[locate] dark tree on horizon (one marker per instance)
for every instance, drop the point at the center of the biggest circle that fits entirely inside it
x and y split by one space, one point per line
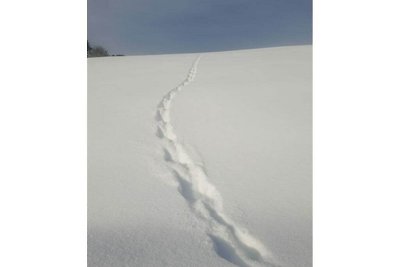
96 51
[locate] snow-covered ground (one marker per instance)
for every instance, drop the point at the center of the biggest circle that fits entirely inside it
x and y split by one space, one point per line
200 160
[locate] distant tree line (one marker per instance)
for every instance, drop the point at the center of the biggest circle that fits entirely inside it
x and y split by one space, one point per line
97 51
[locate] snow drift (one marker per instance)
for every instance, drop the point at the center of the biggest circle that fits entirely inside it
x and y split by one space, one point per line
217 174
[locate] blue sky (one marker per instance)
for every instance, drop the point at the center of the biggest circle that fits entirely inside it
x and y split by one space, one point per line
177 26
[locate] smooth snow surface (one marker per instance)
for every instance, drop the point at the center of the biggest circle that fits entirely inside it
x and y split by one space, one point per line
200 162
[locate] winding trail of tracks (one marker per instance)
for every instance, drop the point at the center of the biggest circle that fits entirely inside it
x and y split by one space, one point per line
231 242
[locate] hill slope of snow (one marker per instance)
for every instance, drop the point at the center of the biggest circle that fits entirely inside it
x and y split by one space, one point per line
200 161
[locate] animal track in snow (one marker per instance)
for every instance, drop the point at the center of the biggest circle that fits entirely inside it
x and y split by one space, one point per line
230 241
